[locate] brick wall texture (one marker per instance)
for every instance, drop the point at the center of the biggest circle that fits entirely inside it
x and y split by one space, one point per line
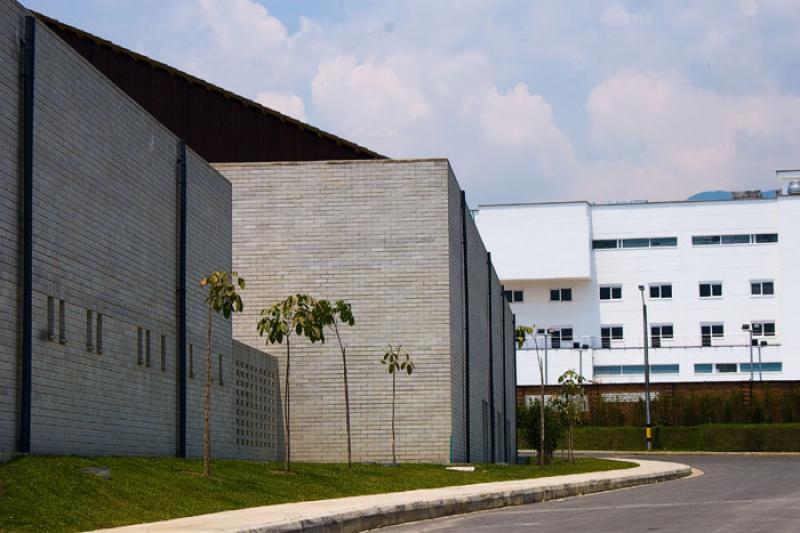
105 236
385 236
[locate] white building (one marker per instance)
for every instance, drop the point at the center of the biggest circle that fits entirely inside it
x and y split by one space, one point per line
707 269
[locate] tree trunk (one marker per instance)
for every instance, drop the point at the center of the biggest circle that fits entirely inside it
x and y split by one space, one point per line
541 415
346 397
394 454
286 408
207 407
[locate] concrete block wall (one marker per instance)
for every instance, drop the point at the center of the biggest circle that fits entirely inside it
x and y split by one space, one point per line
374 234
257 410
208 249
10 267
457 323
105 239
484 289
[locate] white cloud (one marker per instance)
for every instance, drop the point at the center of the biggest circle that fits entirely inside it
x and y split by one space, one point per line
520 121
616 16
288 104
748 7
690 135
369 101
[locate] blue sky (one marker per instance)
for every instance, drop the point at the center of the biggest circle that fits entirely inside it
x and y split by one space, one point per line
530 100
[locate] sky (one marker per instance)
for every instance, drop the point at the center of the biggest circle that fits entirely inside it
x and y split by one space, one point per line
529 100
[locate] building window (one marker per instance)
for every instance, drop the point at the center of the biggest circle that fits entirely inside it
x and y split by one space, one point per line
744 238
657 242
607 370
99 334
703 368
560 295
765 237
709 331
89 331
219 370
763 329
726 368
661 291
51 318
559 335
604 244
514 296
163 352
657 333
139 346
638 242
611 292
762 288
710 290
191 361
62 322
610 333
761 367
147 348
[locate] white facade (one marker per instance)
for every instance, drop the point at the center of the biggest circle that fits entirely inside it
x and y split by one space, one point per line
540 249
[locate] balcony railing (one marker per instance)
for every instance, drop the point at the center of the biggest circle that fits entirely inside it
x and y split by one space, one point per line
635 343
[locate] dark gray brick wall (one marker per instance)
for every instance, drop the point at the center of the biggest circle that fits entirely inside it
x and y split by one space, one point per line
456 319
10 153
105 242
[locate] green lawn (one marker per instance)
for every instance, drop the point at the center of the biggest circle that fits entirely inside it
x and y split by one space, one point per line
53 494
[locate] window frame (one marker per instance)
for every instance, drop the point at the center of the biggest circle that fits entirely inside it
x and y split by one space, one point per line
711 334
555 343
660 286
711 286
612 338
760 283
561 291
762 334
612 288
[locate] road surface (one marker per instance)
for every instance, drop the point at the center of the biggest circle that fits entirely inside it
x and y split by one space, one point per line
735 494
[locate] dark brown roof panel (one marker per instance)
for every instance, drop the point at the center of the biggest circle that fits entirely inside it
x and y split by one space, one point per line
219 125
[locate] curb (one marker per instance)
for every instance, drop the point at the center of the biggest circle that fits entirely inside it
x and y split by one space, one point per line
361 513
667 453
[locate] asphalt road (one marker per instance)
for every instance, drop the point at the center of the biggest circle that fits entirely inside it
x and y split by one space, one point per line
736 493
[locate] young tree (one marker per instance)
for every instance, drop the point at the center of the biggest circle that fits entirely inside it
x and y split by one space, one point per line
396 360
570 401
521 334
222 297
292 316
331 316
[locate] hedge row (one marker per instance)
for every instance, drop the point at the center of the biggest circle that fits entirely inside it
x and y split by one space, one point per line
709 437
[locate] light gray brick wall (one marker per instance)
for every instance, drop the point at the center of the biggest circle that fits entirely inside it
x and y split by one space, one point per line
10 268
376 235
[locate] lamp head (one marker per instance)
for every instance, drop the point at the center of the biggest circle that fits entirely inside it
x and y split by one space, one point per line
641 288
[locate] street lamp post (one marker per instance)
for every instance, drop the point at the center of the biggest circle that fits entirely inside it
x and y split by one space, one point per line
580 347
547 333
648 431
746 327
760 344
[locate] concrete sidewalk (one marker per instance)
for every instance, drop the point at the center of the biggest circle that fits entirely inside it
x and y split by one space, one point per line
359 513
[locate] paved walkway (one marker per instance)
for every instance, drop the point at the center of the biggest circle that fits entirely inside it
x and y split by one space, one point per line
360 513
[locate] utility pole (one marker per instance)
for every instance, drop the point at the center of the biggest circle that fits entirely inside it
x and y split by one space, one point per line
648 431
